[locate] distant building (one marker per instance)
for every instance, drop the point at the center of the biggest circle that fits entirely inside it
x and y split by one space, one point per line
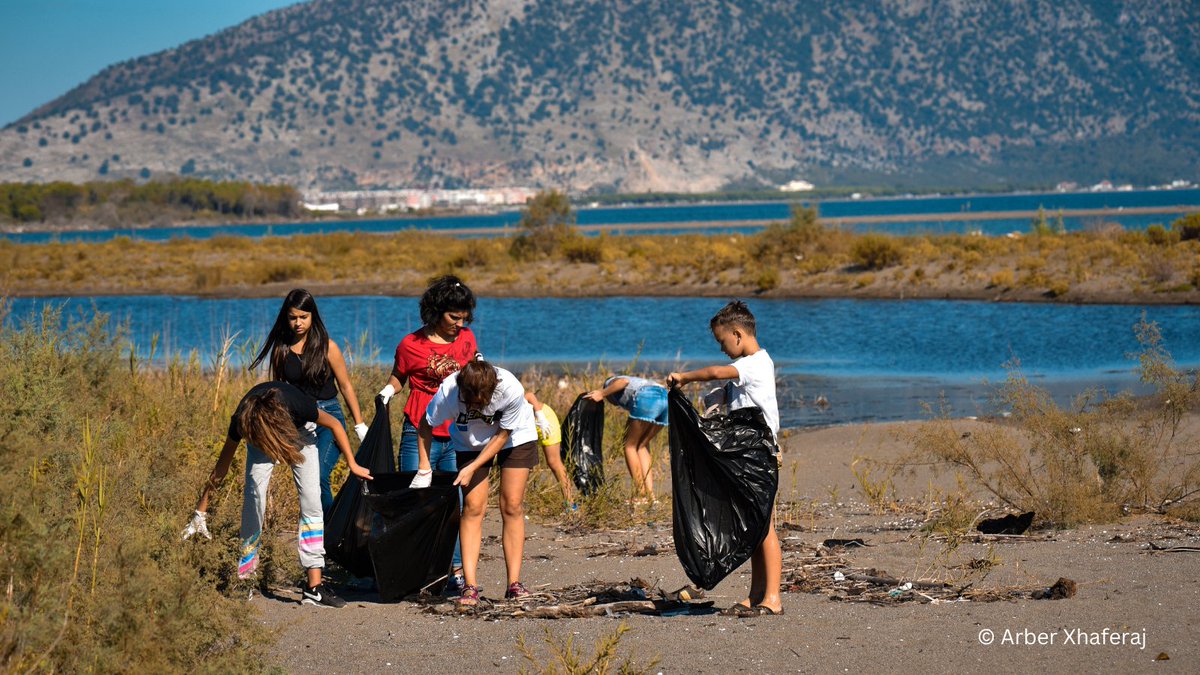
330 207
796 186
388 201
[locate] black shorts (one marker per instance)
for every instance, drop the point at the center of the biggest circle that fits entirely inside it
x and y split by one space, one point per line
523 456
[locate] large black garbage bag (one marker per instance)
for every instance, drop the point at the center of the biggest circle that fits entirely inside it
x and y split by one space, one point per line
412 531
349 520
724 476
583 438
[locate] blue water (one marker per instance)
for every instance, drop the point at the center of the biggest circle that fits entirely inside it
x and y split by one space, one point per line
872 359
727 213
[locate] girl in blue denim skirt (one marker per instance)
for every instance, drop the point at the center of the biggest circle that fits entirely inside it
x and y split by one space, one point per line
299 352
646 403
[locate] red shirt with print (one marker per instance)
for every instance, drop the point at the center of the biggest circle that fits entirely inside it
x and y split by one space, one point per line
424 364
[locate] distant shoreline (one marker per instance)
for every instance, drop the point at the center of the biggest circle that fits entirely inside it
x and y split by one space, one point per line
957 216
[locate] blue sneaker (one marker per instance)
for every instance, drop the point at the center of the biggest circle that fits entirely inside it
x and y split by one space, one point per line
454 585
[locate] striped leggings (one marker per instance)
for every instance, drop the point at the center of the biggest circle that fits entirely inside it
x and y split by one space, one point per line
254 504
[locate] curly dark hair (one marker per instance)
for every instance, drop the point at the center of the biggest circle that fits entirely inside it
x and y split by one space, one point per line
446 294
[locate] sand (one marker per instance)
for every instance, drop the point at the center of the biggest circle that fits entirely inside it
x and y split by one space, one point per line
1149 599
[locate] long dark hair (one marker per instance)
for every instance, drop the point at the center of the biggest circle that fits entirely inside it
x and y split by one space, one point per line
265 423
314 361
446 294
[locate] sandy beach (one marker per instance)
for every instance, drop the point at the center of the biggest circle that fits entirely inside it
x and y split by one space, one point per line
1149 599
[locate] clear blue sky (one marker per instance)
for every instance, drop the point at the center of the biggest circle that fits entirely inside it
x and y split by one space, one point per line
49 46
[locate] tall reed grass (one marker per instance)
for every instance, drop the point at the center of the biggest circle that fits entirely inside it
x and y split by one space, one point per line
100 463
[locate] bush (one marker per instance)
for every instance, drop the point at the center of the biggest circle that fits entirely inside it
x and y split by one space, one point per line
1091 462
1043 226
577 248
1159 236
1187 227
100 465
875 251
802 233
545 223
767 279
1058 288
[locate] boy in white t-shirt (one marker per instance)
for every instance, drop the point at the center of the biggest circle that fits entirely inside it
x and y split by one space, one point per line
753 384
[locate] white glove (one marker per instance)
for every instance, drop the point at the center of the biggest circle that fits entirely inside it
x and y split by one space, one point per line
199 523
387 393
543 424
422 479
361 430
714 398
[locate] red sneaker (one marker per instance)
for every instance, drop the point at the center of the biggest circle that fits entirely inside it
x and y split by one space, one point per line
469 596
516 590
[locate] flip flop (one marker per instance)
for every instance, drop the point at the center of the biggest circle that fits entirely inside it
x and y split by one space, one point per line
763 610
740 611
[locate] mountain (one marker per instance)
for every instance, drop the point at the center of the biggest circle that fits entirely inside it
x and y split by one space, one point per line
633 95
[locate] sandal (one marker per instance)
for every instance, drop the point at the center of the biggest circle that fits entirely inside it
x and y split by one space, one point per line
744 611
469 596
739 610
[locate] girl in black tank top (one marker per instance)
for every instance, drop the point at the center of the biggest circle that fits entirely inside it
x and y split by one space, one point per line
300 353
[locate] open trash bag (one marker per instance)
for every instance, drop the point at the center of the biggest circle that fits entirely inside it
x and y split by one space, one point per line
583 438
349 520
724 476
413 532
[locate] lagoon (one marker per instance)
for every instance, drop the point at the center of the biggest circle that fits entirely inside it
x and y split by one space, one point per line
742 217
873 360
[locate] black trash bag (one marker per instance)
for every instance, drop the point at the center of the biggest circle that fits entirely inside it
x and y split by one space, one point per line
412 531
724 476
1009 524
350 520
583 438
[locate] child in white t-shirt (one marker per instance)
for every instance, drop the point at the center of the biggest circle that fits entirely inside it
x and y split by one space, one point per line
752 376
490 423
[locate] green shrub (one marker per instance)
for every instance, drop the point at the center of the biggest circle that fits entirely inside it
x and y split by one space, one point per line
1043 226
100 466
546 222
799 236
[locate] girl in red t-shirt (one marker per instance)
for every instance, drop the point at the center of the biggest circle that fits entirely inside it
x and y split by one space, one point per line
424 358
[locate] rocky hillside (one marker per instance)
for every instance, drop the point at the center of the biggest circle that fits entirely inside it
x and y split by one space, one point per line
632 95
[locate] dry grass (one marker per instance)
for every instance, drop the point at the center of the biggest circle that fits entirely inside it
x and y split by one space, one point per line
787 258
610 507
101 459
1100 457
567 659
100 465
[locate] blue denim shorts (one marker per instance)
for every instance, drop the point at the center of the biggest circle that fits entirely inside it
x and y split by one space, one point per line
650 405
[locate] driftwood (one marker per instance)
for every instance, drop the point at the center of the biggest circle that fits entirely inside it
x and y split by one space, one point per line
828 571
581 610
889 581
595 599
1155 548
